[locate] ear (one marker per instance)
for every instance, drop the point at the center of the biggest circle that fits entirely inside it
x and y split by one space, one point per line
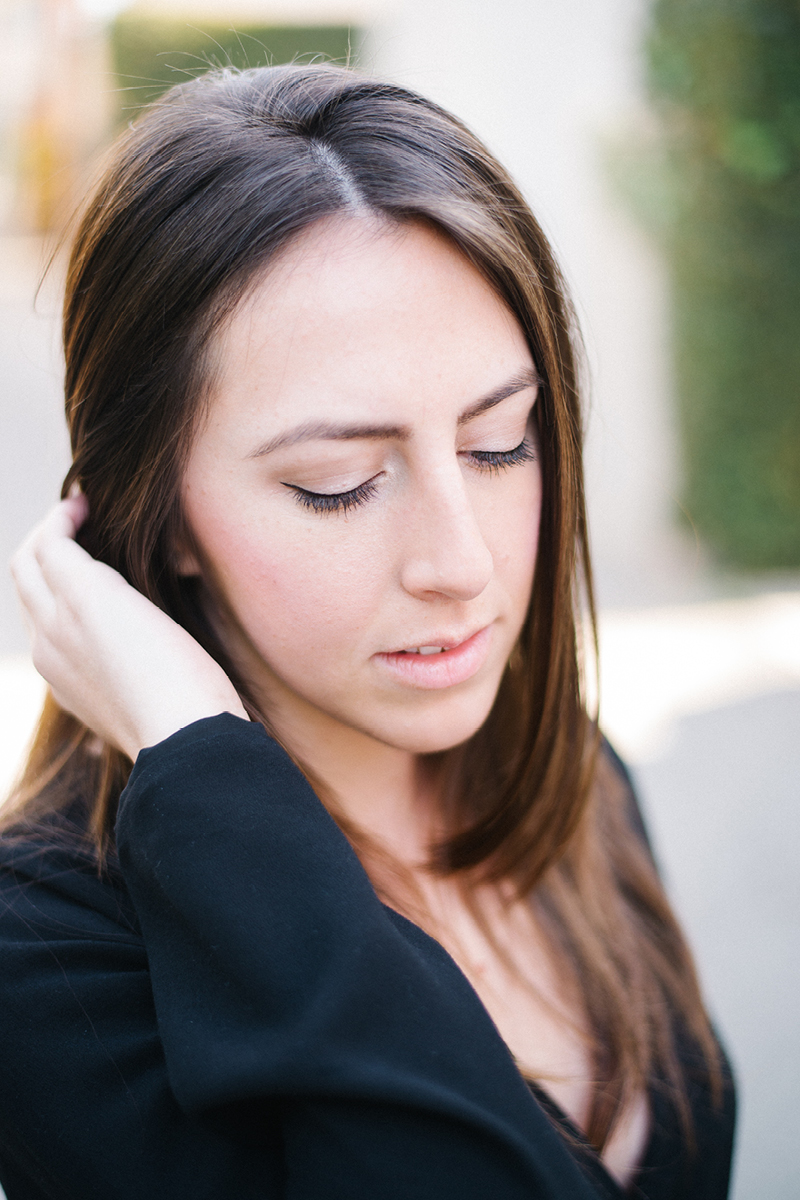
187 561
188 565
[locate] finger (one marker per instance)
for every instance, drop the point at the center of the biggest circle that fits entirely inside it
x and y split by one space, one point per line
77 506
38 608
65 566
32 588
64 519
64 563
50 569
79 581
62 522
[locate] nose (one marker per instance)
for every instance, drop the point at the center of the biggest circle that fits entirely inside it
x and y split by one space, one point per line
445 551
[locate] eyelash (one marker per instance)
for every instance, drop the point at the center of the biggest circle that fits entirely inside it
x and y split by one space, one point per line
493 461
337 502
496 461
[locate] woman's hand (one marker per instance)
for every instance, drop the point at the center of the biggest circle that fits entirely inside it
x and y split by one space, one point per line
111 657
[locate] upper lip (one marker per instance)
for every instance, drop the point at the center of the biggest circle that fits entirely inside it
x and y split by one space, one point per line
447 642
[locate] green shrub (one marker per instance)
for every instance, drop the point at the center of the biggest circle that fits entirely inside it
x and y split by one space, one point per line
150 54
725 75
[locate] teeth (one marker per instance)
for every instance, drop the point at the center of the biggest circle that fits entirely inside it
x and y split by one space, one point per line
430 649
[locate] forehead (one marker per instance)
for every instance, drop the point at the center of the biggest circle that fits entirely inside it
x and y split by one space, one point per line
364 317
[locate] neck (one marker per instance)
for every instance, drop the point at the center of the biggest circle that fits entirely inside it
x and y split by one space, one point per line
385 792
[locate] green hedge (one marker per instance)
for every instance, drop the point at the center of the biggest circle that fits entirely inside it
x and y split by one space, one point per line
151 54
726 78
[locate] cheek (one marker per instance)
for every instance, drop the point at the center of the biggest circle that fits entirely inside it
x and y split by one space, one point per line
293 593
514 538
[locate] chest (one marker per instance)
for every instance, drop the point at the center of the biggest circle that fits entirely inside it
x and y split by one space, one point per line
501 949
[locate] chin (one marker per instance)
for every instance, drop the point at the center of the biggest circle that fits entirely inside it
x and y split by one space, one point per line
434 732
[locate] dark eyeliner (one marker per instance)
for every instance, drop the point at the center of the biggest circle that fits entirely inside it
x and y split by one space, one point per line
498 460
343 502
333 502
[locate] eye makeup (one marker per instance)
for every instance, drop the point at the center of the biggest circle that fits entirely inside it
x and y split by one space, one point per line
497 460
491 461
333 502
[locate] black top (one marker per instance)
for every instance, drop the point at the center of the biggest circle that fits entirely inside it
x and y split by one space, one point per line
230 1013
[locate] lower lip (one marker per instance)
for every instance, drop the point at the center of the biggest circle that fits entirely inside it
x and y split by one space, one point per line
442 670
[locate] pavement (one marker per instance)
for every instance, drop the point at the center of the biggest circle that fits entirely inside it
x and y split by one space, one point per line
700 691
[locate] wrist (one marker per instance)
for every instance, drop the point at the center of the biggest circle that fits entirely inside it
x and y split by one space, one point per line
164 724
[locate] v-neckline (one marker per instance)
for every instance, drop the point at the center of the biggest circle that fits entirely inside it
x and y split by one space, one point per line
584 1152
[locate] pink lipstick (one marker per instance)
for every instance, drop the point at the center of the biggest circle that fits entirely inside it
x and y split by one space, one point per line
434 665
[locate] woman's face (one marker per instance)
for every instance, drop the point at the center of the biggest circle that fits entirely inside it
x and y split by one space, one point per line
364 496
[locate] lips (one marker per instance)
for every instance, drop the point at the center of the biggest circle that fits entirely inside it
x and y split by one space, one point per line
436 645
438 663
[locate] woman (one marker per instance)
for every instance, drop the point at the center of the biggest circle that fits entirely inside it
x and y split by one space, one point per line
327 487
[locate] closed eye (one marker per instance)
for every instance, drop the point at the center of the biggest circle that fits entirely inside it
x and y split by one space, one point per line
334 502
492 461
497 460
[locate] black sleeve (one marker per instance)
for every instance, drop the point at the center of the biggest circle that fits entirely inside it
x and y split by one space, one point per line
275 1031
86 1109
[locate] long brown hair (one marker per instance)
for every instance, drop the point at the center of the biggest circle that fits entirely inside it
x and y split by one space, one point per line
201 194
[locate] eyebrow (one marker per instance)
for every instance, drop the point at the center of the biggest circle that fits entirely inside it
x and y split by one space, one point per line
327 431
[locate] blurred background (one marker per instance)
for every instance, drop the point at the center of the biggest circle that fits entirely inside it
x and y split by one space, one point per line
658 141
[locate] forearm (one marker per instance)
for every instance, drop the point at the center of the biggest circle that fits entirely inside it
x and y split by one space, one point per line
278 975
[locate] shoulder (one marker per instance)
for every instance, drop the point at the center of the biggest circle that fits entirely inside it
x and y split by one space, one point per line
53 886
